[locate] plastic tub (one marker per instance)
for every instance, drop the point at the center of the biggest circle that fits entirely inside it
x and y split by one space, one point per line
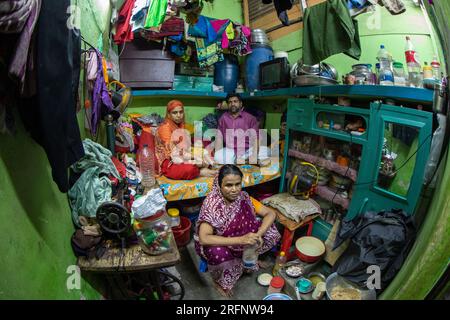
182 233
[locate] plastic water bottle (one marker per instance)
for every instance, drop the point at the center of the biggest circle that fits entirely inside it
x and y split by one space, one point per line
414 67
386 75
250 256
147 167
279 263
436 68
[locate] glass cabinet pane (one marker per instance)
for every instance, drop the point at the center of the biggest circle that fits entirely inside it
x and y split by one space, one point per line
398 158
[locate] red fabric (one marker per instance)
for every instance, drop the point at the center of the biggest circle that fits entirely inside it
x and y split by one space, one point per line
179 171
120 167
171 27
123 28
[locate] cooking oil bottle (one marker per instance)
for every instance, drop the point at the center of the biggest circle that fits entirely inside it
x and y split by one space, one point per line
279 263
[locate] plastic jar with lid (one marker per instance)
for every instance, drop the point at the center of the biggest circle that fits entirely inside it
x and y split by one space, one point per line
276 285
427 71
399 74
174 216
154 233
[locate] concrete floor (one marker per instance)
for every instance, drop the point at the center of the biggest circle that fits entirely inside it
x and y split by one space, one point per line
199 286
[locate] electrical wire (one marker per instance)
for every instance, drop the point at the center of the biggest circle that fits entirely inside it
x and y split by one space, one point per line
345 174
403 164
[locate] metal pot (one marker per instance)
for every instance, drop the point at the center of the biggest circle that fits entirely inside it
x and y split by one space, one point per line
259 36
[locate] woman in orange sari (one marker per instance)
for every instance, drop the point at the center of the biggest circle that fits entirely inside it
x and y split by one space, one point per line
173 147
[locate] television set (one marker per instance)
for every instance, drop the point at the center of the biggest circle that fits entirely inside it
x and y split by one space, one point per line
274 74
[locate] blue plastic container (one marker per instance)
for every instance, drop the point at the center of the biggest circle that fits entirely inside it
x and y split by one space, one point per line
226 73
261 53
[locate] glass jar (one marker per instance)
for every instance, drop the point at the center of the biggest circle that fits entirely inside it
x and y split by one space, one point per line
154 233
174 216
276 285
362 74
399 74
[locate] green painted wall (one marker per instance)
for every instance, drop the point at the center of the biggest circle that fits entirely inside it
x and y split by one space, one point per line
36 221
36 225
377 28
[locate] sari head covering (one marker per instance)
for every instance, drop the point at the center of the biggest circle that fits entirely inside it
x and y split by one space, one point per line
164 144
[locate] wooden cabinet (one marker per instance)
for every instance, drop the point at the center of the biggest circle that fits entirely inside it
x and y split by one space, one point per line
382 154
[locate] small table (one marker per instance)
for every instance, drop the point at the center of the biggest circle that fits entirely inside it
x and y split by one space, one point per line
289 230
118 265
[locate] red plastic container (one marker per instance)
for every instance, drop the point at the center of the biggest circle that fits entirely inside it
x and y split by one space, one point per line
182 233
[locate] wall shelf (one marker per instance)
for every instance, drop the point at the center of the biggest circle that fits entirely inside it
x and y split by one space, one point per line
180 94
370 92
416 95
330 165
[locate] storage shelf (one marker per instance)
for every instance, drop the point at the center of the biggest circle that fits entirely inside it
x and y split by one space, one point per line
417 95
328 194
371 92
178 94
328 164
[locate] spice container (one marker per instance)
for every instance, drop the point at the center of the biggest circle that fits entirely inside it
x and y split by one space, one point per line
399 74
276 285
174 216
427 71
154 233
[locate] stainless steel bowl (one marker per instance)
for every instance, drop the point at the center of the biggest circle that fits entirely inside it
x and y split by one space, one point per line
329 68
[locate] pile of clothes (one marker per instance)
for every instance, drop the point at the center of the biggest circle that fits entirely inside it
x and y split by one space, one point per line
157 20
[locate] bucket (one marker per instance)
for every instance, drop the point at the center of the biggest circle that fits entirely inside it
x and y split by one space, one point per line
226 73
182 233
261 53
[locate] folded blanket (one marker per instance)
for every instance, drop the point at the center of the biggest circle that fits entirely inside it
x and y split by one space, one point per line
292 207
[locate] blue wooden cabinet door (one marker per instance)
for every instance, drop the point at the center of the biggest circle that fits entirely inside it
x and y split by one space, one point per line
393 164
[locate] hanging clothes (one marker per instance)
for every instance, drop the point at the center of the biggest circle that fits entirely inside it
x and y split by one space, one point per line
241 44
225 29
319 42
156 13
100 96
281 6
393 6
123 28
50 116
20 17
139 14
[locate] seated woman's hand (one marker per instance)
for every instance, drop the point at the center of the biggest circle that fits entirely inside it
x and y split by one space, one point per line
250 239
